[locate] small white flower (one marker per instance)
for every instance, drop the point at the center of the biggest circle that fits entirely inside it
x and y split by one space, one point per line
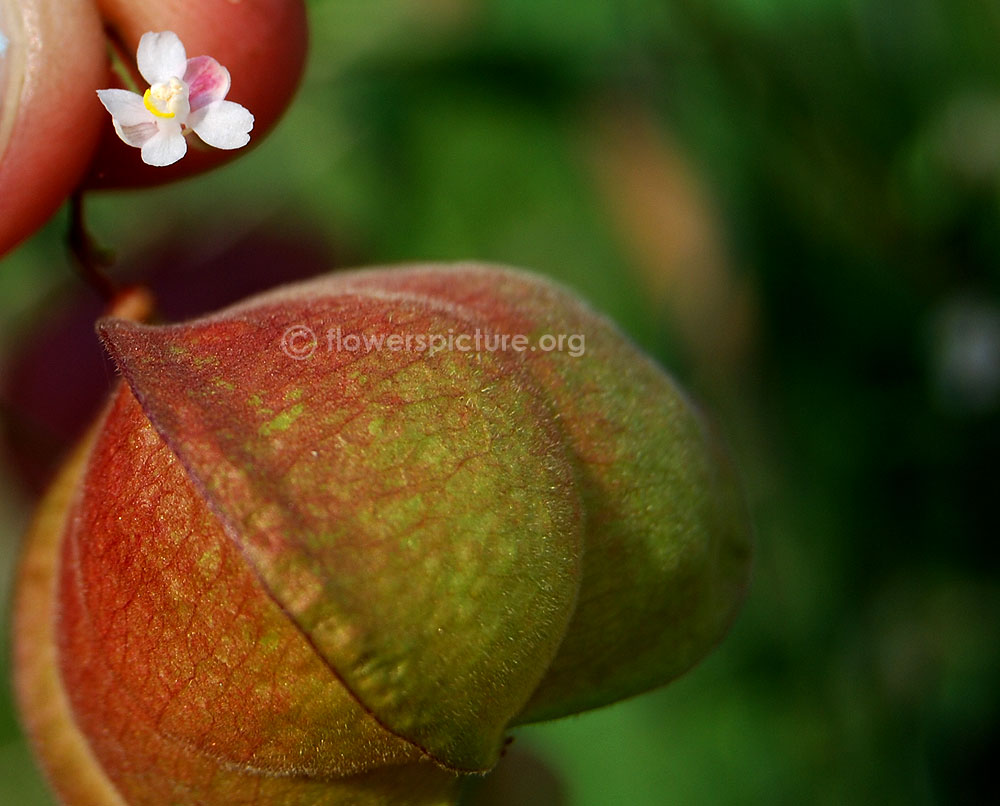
185 95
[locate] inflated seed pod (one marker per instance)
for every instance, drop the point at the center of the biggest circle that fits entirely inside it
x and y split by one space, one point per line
327 545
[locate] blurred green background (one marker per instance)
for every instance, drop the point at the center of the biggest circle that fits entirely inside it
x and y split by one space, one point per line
793 204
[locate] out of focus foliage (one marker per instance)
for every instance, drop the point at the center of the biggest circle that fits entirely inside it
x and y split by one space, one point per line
793 204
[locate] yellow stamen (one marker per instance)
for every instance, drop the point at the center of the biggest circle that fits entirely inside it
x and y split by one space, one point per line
148 103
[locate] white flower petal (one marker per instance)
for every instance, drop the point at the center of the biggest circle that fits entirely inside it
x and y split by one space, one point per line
207 81
125 107
133 122
161 56
138 135
222 124
164 148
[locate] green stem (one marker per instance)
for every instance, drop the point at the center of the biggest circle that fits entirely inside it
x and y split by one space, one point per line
90 259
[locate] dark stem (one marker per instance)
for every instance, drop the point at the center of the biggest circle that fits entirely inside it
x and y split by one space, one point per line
90 259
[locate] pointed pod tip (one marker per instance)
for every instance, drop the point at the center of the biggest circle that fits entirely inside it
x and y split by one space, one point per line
123 338
114 331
